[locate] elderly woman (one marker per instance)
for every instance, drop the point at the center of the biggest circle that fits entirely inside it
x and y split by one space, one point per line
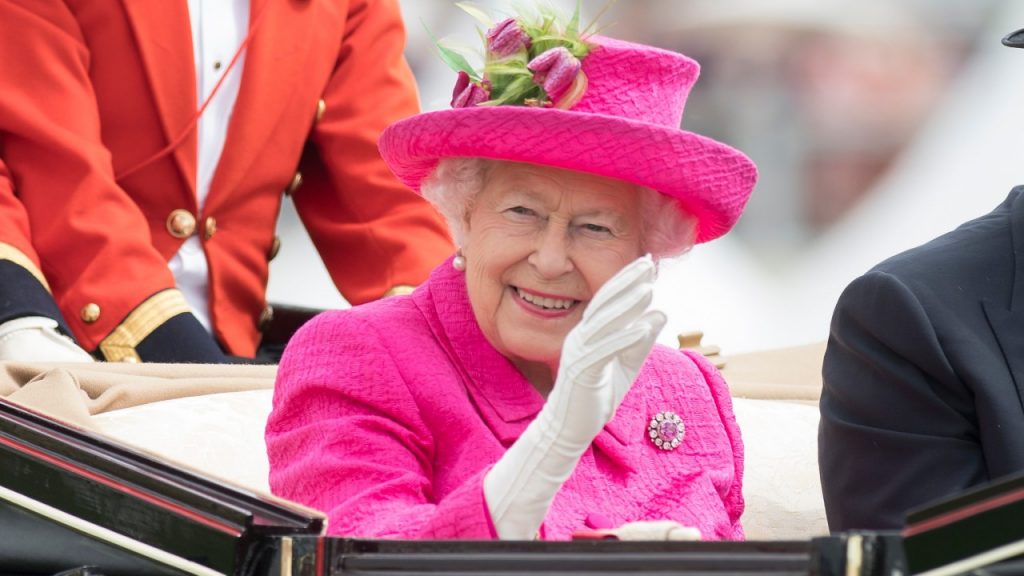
519 392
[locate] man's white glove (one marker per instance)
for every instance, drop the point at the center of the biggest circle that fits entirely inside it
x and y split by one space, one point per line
36 339
601 358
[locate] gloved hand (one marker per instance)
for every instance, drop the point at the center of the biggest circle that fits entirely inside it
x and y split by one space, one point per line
656 530
646 530
601 358
36 339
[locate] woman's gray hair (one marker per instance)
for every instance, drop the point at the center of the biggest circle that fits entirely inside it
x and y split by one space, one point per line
669 230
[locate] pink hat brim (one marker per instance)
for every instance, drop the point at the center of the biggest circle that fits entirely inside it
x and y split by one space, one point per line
711 180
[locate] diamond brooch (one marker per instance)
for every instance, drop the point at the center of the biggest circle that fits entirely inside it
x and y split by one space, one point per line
666 430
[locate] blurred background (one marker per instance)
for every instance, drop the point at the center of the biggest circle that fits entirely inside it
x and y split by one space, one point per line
875 124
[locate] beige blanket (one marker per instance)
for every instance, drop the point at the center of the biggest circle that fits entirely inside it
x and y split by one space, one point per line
781 374
75 392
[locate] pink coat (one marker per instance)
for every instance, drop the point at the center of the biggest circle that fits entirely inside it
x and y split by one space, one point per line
387 416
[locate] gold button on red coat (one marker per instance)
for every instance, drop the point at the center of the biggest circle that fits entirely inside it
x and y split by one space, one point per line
294 184
90 313
321 107
181 223
210 227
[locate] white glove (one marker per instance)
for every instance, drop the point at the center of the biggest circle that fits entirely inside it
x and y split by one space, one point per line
656 530
601 358
36 339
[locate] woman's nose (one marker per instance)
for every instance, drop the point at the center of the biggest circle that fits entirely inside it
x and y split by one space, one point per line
551 255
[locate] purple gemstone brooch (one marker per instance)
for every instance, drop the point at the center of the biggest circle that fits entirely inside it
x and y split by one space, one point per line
666 430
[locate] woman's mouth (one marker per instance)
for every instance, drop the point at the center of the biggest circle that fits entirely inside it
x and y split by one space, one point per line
545 302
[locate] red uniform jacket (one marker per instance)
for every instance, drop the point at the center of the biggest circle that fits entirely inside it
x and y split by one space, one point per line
92 88
15 242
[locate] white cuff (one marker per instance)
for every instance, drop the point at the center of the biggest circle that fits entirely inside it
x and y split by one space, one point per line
36 339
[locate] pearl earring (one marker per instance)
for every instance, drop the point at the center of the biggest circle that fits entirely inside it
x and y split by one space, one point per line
459 262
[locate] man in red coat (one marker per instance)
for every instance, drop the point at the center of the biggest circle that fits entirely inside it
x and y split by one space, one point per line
149 144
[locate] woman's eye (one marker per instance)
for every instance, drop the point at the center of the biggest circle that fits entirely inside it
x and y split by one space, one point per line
522 211
597 229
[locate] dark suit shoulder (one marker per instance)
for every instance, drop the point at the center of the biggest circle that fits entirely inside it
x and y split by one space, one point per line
975 260
917 401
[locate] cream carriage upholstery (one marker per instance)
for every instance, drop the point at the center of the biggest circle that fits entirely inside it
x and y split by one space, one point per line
210 418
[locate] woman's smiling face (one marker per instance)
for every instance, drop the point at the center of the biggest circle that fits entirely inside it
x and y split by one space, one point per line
540 241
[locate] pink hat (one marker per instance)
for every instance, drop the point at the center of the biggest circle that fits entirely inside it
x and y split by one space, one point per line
625 126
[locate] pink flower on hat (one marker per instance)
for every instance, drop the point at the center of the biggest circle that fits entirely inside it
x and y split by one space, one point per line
556 70
506 38
468 93
532 62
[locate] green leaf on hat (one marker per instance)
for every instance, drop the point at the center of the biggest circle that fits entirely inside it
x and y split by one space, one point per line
573 29
453 59
476 12
516 92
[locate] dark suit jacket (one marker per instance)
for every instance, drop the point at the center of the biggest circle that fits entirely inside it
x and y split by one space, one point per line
924 374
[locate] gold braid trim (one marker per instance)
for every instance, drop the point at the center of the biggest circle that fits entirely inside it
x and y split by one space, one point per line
8 252
119 345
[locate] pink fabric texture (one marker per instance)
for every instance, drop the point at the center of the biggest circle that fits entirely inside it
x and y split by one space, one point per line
386 417
626 126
